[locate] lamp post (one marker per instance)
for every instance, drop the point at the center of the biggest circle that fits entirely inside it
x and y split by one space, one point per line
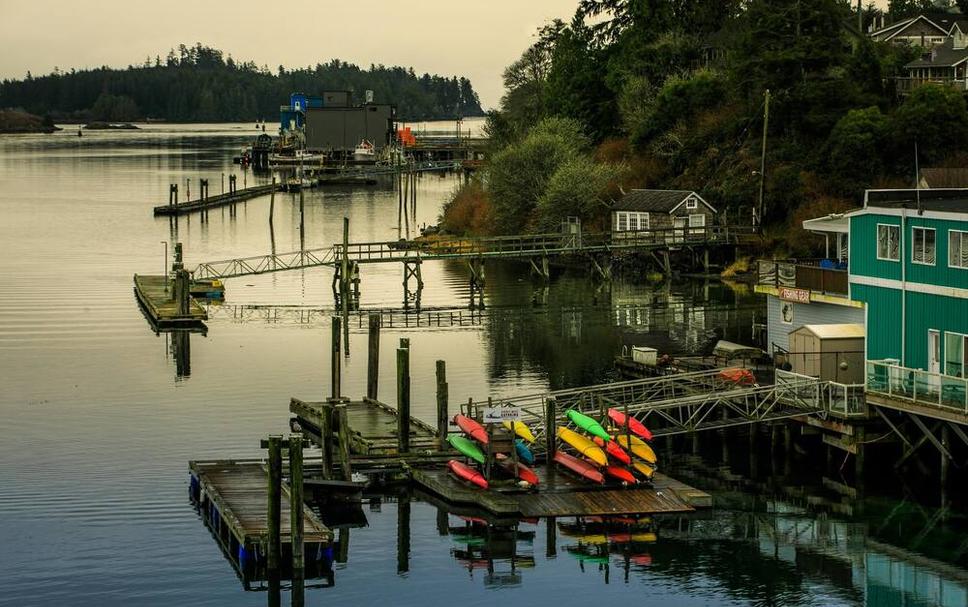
165 242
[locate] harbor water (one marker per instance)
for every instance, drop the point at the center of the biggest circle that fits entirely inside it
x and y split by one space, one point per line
99 415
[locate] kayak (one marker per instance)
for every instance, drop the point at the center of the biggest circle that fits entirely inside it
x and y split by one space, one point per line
521 430
471 428
523 472
465 472
524 454
466 446
644 469
621 474
587 424
579 467
584 446
613 450
635 426
638 447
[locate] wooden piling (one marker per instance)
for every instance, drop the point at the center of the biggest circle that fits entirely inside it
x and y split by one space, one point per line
403 534
273 505
373 359
296 523
442 396
403 399
326 439
551 537
272 202
343 425
550 429
336 360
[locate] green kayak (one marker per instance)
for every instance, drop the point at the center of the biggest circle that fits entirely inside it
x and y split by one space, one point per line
588 424
466 446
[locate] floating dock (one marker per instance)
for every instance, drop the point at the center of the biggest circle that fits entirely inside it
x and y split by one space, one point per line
210 202
156 294
231 498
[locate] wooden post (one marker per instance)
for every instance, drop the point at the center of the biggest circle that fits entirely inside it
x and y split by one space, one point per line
326 439
403 534
442 396
336 360
344 442
373 359
273 506
551 537
550 429
272 201
296 522
403 398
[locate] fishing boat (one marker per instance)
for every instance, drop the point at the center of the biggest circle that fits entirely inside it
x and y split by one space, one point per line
620 473
583 445
520 429
638 447
523 452
466 473
471 428
466 447
634 425
299 157
588 424
364 152
579 467
613 450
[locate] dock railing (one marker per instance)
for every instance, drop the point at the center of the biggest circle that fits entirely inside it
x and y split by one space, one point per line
844 400
816 275
943 392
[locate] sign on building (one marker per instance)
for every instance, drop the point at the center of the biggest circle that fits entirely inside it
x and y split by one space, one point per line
496 415
794 295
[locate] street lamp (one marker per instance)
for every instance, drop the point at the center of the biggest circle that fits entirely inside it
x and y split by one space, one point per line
165 242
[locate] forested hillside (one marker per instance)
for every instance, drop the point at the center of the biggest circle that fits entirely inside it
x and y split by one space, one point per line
200 84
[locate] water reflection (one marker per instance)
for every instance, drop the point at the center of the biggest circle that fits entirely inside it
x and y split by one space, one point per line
499 550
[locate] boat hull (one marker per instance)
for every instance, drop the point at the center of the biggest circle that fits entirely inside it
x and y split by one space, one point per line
471 428
466 473
579 467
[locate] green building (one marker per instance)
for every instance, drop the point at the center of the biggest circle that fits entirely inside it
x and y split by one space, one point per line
908 252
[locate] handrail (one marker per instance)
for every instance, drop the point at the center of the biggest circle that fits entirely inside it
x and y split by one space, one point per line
926 388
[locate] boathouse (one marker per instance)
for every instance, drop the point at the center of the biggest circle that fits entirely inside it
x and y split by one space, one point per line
673 210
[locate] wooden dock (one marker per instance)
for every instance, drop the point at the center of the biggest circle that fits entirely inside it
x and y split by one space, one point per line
211 202
161 307
231 497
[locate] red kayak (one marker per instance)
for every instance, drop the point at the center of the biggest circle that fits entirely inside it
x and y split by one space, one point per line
613 450
524 473
579 467
465 472
621 474
636 427
471 428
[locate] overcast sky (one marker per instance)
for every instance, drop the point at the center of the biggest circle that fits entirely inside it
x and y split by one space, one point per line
454 37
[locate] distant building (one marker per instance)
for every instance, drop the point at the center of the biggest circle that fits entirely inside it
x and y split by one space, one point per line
916 31
678 211
943 178
341 129
292 116
945 64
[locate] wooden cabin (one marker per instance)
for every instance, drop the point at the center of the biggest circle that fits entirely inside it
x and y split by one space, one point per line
679 212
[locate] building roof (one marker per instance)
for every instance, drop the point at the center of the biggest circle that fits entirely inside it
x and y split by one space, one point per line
947 200
945 178
656 201
895 29
840 331
835 222
941 55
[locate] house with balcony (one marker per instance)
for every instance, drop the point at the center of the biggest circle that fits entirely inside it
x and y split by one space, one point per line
945 64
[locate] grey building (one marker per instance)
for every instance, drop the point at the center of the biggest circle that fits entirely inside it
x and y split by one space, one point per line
340 129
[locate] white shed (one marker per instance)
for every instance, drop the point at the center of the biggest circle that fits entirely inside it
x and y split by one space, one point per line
830 352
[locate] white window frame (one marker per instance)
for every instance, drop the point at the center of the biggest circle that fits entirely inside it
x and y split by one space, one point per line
922 248
963 238
877 241
693 225
692 204
964 353
645 222
621 221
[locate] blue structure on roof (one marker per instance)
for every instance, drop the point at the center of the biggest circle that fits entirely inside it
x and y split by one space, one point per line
293 116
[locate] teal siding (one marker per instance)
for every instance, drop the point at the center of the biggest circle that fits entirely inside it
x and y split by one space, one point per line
939 273
863 247
883 320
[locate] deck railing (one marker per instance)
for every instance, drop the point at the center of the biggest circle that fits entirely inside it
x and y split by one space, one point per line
906 85
945 392
818 276
845 400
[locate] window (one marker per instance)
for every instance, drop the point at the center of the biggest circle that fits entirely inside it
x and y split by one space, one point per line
630 221
957 249
692 204
955 348
622 223
922 246
644 221
888 241
697 221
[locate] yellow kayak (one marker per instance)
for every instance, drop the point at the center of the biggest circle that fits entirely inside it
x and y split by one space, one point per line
521 430
583 445
644 537
644 469
639 448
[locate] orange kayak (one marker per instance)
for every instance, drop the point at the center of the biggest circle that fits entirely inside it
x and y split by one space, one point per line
621 474
471 428
635 426
613 450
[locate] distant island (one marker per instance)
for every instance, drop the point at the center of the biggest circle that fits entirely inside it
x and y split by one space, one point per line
201 84
16 121
109 126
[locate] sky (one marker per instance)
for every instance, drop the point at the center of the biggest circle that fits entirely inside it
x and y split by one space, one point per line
476 39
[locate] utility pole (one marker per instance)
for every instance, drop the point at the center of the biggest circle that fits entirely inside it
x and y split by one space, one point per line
758 213
860 17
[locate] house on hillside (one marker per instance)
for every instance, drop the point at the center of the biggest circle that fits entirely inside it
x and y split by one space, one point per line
916 31
945 64
679 213
944 178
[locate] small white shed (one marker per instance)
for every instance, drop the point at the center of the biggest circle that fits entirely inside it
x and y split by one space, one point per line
830 352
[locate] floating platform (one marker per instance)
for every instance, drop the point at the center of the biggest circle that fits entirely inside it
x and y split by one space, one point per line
560 494
160 306
210 202
231 498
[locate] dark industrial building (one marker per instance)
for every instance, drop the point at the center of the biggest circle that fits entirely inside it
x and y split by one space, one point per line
341 129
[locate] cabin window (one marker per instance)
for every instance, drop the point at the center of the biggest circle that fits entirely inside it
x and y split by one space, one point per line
697 221
955 351
888 242
958 249
923 246
622 222
692 204
630 221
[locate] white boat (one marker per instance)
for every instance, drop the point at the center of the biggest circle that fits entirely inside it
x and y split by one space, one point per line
300 157
364 152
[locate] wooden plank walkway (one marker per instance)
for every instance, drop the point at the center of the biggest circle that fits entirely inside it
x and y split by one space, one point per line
160 306
218 200
374 426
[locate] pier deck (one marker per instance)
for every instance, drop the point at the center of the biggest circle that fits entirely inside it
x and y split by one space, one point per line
211 202
373 426
231 498
160 306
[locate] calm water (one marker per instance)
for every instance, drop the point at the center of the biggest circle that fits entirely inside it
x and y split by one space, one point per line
99 416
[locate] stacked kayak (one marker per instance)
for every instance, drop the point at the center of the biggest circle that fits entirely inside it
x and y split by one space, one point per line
475 437
604 454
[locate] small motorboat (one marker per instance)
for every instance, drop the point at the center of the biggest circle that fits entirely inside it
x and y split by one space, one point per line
364 152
